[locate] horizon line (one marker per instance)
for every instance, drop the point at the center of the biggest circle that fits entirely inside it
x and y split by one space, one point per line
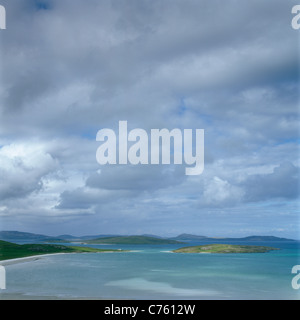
149 235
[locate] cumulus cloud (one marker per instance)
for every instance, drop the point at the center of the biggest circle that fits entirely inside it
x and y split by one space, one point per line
220 193
22 170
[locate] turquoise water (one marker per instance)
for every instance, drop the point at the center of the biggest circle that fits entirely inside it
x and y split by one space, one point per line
152 272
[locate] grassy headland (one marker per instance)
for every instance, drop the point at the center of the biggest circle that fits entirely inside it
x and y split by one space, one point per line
10 250
224 248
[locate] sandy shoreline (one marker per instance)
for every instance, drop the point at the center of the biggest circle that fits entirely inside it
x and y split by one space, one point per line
24 296
37 257
26 259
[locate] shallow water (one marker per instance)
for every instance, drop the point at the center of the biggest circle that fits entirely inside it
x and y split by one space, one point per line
153 272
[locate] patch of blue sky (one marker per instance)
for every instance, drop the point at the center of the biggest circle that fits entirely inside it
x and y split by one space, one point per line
42 4
288 141
89 134
183 109
84 133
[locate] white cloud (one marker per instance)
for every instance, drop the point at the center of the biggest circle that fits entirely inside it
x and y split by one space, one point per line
220 193
23 168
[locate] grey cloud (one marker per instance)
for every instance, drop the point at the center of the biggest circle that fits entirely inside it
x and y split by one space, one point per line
88 200
282 183
138 178
77 199
122 46
123 185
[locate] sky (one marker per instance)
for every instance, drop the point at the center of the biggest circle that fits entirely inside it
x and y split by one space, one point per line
69 68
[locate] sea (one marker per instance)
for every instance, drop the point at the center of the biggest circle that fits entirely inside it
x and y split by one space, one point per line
154 272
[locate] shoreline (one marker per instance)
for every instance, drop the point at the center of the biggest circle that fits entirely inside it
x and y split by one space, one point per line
24 296
27 259
10 262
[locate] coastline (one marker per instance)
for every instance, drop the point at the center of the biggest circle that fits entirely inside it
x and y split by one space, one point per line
24 296
37 257
26 259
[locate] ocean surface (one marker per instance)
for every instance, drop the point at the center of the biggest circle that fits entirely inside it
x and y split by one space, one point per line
153 272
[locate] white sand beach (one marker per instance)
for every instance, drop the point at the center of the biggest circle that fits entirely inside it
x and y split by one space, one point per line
26 259
37 257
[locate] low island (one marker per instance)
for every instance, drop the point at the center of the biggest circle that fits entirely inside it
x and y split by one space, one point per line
10 250
224 248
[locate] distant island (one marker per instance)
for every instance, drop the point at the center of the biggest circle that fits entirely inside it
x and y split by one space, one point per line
224 248
191 237
132 240
10 250
17 236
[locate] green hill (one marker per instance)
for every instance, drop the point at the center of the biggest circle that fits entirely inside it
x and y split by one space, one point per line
224 248
10 250
16 235
132 240
191 237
